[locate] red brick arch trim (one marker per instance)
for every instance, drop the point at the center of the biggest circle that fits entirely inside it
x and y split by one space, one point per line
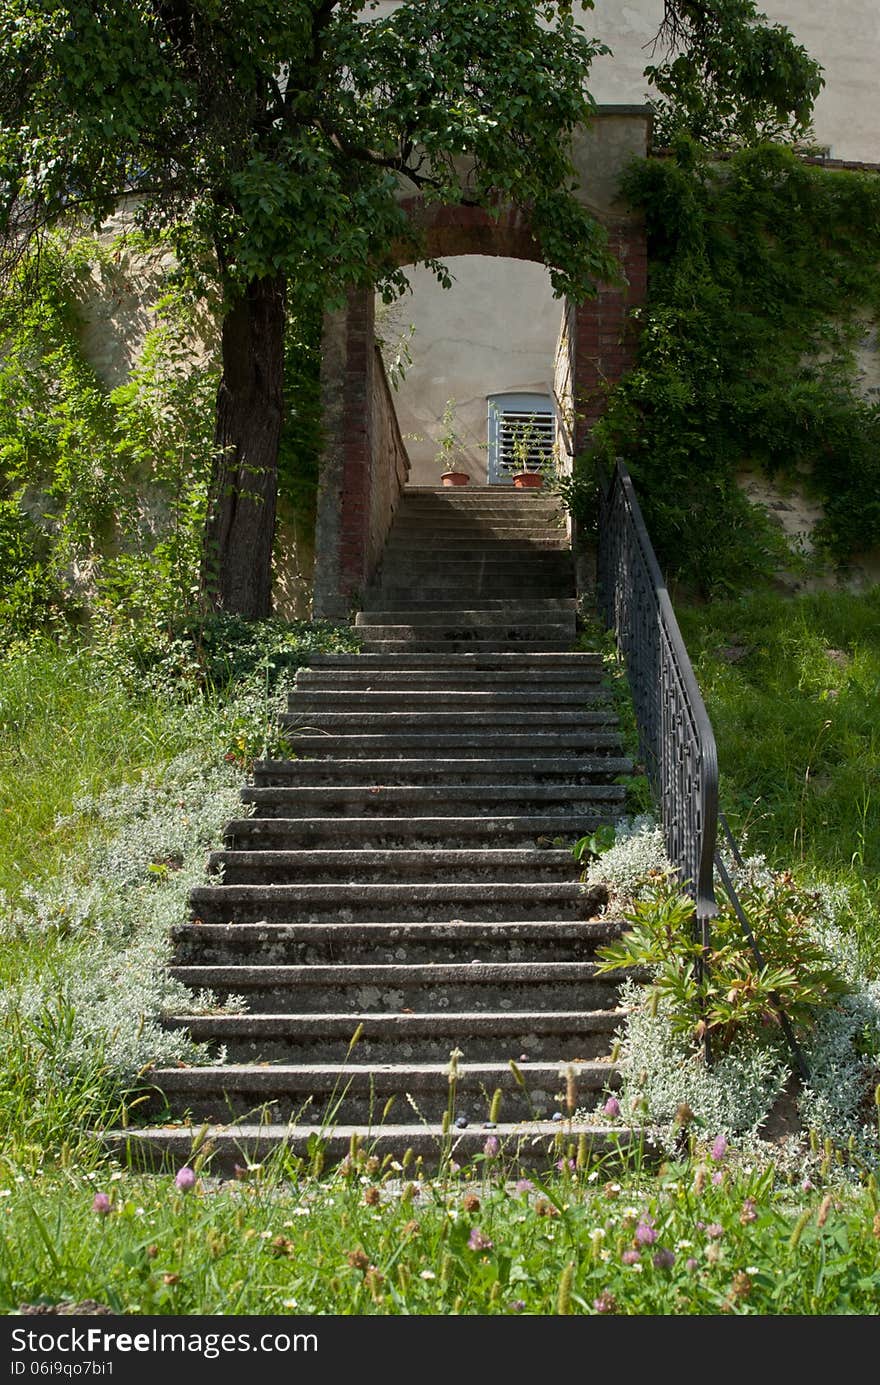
457 229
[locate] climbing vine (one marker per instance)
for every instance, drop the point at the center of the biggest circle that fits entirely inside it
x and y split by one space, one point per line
765 276
103 491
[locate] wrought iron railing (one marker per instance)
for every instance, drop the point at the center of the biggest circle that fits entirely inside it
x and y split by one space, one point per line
676 741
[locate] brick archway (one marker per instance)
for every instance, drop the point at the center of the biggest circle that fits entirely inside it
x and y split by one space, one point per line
364 463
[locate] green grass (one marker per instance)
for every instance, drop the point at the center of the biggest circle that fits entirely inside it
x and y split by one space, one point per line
366 1241
792 686
68 729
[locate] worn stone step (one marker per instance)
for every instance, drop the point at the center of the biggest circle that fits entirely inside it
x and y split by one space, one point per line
457 646
444 593
415 1091
560 610
393 987
391 1037
408 831
477 659
531 741
472 900
438 681
349 803
302 944
350 865
448 771
224 1148
493 630
488 720
305 700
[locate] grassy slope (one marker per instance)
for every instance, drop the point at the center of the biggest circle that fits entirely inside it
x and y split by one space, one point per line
792 687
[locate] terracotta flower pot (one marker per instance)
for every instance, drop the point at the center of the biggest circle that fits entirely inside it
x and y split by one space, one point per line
455 478
528 480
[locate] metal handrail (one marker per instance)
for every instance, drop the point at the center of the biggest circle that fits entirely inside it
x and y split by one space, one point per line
676 740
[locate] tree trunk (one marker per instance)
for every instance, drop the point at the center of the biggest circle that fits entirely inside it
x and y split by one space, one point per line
240 524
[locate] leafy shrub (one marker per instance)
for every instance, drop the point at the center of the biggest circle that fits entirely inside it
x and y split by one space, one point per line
763 272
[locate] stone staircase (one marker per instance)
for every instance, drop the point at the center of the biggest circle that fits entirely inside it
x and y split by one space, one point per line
408 874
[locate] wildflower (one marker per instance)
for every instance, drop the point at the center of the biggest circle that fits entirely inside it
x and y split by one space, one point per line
749 1211
717 1177
713 1253
876 1227
171 1279
470 1202
612 1190
371 1196
411 1228
824 1209
807 1186
543 1208
700 1179
715 1231
491 1147
477 1241
741 1286
563 1164
282 1245
185 1179
664 1259
631 1257
683 1114
518 1305
719 1148
605 1303
612 1108
646 1233
373 1280
523 1185
101 1204
691 1264
358 1259
427 1274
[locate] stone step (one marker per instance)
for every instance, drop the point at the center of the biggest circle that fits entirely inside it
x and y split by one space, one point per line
393 987
563 900
355 865
453 830
322 1038
450 772
558 611
304 944
527 1145
471 659
526 555
356 803
322 1093
529 741
493 630
485 591
442 681
488 719
451 701
439 646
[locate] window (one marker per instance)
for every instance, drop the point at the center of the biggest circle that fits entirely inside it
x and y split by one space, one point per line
521 434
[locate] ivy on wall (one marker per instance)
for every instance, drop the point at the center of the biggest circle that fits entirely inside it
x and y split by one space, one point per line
103 491
764 277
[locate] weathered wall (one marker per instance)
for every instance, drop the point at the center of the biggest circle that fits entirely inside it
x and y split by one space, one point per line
364 464
389 464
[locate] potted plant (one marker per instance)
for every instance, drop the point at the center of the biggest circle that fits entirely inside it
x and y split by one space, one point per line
529 461
450 450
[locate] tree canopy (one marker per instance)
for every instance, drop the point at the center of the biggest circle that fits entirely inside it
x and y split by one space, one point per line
268 141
